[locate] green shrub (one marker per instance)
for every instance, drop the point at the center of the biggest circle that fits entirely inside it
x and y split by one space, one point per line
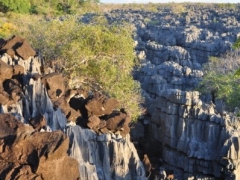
6 29
220 79
95 56
47 7
19 6
236 45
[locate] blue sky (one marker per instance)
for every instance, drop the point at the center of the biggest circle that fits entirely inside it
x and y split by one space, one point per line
165 1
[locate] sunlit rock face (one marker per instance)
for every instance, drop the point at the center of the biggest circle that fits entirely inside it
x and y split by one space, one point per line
104 156
193 137
39 138
180 132
28 154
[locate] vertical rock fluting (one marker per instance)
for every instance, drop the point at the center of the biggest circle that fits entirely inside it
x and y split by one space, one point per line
189 136
104 156
195 141
194 138
45 106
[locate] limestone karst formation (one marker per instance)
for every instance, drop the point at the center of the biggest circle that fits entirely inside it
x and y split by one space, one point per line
48 131
181 134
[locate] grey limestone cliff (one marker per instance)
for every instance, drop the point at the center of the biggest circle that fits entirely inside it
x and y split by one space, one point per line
191 137
194 138
105 156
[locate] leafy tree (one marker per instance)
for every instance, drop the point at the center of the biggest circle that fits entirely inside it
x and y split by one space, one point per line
19 6
96 56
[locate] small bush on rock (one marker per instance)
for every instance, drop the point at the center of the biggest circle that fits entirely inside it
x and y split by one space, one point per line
219 79
6 29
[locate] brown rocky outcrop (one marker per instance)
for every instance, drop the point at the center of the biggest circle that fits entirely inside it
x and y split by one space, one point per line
9 126
17 46
99 105
118 122
54 84
70 113
18 70
93 122
6 71
5 98
38 149
25 153
22 173
10 89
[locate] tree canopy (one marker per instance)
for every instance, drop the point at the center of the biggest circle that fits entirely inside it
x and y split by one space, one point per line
43 6
96 56
19 6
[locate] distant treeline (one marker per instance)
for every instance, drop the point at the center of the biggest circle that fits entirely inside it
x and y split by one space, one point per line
56 7
43 6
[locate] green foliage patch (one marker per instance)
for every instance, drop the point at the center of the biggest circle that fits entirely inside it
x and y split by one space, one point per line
236 45
6 29
221 80
46 7
19 6
94 56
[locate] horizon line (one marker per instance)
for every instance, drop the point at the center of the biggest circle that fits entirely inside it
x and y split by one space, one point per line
187 2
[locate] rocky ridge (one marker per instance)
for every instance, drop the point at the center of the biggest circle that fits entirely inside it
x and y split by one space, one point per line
180 132
40 138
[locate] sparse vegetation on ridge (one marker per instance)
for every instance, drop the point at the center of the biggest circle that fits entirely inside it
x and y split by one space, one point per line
95 52
96 56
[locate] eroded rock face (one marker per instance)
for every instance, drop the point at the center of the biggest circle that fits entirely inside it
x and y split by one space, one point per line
104 156
100 105
118 122
19 47
54 85
6 71
36 110
195 134
182 132
26 153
